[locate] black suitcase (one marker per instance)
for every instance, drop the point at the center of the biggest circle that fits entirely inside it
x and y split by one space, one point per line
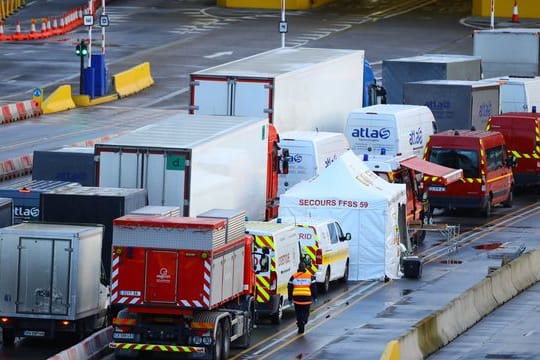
412 267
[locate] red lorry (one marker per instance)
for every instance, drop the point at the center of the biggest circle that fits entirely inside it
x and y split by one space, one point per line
521 131
486 165
187 285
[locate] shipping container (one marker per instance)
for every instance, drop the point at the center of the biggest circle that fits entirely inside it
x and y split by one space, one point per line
6 212
75 164
195 162
294 88
54 280
94 205
508 51
26 196
455 104
397 72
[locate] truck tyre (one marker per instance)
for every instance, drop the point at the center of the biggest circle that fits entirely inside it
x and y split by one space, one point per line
325 286
226 345
510 199
8 338
218 343
245 341
345 277
276 317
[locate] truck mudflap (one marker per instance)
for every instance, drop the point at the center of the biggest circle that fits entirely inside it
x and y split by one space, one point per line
157 347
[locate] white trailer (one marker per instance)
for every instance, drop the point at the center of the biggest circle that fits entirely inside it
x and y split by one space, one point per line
508 51
197 163
517 94
295 88
51 281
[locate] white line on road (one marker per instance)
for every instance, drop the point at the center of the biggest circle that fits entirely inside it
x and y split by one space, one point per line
218 54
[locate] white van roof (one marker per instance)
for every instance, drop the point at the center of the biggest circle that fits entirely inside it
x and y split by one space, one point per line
309 135
300 220
257 227
390 109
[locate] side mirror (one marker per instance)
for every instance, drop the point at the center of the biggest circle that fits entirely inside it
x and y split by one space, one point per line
511 161
347 237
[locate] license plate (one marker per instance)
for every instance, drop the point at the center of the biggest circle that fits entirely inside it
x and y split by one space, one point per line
124 336
437 188
33 333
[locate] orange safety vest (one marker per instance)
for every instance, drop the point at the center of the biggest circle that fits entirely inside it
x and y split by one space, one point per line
301 288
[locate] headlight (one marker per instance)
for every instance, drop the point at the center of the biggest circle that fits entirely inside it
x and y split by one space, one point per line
207 340
196 340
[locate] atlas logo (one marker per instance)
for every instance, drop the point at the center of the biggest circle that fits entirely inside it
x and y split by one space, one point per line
367 133
295 158
415 137
26 212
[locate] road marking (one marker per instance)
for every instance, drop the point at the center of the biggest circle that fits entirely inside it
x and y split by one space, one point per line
218 54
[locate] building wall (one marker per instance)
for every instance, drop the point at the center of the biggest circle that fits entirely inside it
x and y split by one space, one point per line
504 8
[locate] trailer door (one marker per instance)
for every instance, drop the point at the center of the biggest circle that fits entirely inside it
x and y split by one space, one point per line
252 98
43 278
161 273
210 96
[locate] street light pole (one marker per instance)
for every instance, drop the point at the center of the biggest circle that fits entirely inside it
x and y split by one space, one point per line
283 5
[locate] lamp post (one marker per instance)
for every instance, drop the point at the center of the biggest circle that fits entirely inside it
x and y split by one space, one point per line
283 28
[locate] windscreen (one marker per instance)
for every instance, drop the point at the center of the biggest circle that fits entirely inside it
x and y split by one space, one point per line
467 160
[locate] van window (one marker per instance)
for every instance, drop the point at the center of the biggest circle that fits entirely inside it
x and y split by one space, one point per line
467 160
495 158
333 233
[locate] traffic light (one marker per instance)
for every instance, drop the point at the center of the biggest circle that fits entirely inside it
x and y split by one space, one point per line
81 50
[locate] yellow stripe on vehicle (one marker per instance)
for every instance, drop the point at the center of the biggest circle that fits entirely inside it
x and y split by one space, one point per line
331 257
499 178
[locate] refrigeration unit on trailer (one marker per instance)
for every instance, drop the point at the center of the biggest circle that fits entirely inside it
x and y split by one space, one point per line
194 162
508 51
187 287
389 129
294 88
456 104
279 243
54 284
310 152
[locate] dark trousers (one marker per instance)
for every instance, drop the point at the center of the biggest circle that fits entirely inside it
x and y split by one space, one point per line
302 315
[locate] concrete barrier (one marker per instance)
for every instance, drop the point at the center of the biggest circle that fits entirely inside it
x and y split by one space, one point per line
133 80
59 100
91 348
84 100
19 111
443 326
392 351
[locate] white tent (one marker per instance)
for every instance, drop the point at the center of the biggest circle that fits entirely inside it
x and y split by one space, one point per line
365 205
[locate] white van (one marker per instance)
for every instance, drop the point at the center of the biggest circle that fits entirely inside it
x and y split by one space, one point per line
517 94
309 153
390 129
324 247
277 254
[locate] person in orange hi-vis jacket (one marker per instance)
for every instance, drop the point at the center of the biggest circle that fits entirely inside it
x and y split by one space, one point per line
302 292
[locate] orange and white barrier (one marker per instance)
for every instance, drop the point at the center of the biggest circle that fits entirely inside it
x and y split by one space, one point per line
89 348
14 168
19 111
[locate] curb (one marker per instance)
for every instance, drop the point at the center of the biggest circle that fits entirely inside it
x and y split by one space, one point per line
19 111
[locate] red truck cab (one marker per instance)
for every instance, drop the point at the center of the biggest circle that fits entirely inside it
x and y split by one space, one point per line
521 131
487 170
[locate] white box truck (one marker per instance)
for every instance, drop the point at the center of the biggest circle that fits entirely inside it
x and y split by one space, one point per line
280 243
310 152
508 51
195 162
51 281
389 129
294 88
517 94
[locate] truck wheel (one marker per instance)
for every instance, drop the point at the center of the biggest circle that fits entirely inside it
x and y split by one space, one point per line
226 346
245 340
8 338
325 286
218 344
345 277
510 199
276 317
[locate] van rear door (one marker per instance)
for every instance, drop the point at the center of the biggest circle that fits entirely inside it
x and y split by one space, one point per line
309 244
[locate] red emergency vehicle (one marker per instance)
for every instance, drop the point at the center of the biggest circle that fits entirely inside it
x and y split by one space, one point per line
187 285
487 170
521 131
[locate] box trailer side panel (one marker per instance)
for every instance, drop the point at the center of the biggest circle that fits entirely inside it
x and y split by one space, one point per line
66 164
485 103
520 56
319 97
6 212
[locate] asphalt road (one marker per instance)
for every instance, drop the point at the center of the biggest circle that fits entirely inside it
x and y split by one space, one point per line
181 37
